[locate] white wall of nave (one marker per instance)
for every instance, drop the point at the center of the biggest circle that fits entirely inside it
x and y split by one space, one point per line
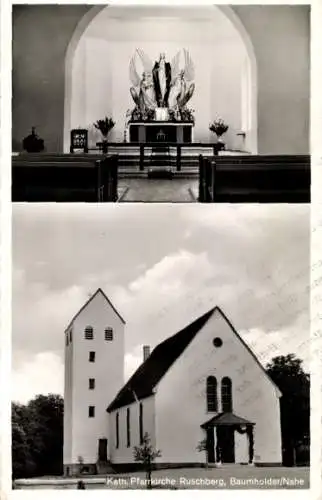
100 81
124 453
181 405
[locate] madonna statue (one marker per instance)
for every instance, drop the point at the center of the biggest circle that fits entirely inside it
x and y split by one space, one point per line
162 81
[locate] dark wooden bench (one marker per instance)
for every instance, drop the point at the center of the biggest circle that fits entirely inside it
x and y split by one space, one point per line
64 178
255 178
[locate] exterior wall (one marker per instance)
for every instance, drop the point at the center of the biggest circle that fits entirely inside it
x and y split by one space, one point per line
68 392
107 370
280 36
181 396
124 454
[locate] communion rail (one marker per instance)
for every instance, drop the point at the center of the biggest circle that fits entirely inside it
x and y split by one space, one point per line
255 178
142 156
67 177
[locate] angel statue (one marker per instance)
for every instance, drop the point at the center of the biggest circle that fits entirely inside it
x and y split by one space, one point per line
142 90
182 85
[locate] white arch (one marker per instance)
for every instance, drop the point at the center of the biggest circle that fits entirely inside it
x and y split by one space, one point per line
251 140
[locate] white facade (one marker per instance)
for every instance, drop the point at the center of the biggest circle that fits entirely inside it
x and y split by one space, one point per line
124 454
175 411
82 432
181 404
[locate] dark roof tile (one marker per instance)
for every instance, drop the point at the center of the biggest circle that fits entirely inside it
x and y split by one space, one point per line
148 375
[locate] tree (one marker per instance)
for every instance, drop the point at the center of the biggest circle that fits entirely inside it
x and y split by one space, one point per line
202 446
146 454
22 462
37 436
288 374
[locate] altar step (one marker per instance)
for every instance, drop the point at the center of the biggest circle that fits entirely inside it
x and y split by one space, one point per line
139 174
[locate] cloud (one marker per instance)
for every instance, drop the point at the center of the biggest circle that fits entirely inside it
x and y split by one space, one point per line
40 374
161 266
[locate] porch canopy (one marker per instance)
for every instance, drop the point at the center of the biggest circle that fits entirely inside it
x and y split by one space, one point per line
226 418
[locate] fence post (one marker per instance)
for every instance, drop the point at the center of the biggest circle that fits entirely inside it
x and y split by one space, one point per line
141 157
178 158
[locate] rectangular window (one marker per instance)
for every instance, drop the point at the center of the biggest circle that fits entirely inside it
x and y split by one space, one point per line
117 430
128 430
91 383
108 333
91 358
70 335
89 333
91 411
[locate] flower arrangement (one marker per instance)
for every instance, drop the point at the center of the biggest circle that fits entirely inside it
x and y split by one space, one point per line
219 127
187 115
104 125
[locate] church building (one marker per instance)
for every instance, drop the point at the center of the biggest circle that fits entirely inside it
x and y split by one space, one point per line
201 385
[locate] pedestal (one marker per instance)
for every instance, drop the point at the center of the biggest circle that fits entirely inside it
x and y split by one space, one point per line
174 132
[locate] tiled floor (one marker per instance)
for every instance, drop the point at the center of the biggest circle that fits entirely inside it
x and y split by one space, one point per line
158 190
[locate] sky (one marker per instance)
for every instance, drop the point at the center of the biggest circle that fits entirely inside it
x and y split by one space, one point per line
162 266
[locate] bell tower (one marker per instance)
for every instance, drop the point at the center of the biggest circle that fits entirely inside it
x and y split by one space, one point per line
94 373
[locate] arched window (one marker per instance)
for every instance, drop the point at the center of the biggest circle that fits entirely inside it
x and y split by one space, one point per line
141 423
89 333
109 333
128 430
117 430
226 395
212 400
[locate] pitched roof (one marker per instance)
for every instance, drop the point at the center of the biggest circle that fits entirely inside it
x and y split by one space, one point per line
226 418
149 373
147 376
99 290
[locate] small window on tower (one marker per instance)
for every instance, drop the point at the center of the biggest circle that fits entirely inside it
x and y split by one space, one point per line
91 356
109 333
89 333
70 335
91 411
92 383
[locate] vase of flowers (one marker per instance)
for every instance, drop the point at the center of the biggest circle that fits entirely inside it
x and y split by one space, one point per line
104 126
219 127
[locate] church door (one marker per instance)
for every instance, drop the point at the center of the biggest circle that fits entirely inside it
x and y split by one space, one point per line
210 445
227 443
102 450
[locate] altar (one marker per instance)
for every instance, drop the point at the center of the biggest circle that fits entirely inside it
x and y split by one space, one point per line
161 131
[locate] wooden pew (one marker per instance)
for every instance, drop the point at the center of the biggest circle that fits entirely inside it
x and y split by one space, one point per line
256 178
64 178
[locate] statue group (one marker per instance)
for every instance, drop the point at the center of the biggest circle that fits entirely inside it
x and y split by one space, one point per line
163 85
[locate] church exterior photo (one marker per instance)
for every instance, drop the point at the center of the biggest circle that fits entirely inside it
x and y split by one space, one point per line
202 384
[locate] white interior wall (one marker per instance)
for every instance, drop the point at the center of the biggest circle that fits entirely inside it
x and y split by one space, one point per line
100 77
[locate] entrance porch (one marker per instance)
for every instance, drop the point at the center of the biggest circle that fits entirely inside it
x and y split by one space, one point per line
229 439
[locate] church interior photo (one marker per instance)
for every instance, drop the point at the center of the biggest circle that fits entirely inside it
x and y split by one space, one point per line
146 103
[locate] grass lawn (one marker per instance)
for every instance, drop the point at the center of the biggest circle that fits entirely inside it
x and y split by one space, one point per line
234 477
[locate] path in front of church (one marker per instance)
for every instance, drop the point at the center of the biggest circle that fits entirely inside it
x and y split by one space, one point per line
158 190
